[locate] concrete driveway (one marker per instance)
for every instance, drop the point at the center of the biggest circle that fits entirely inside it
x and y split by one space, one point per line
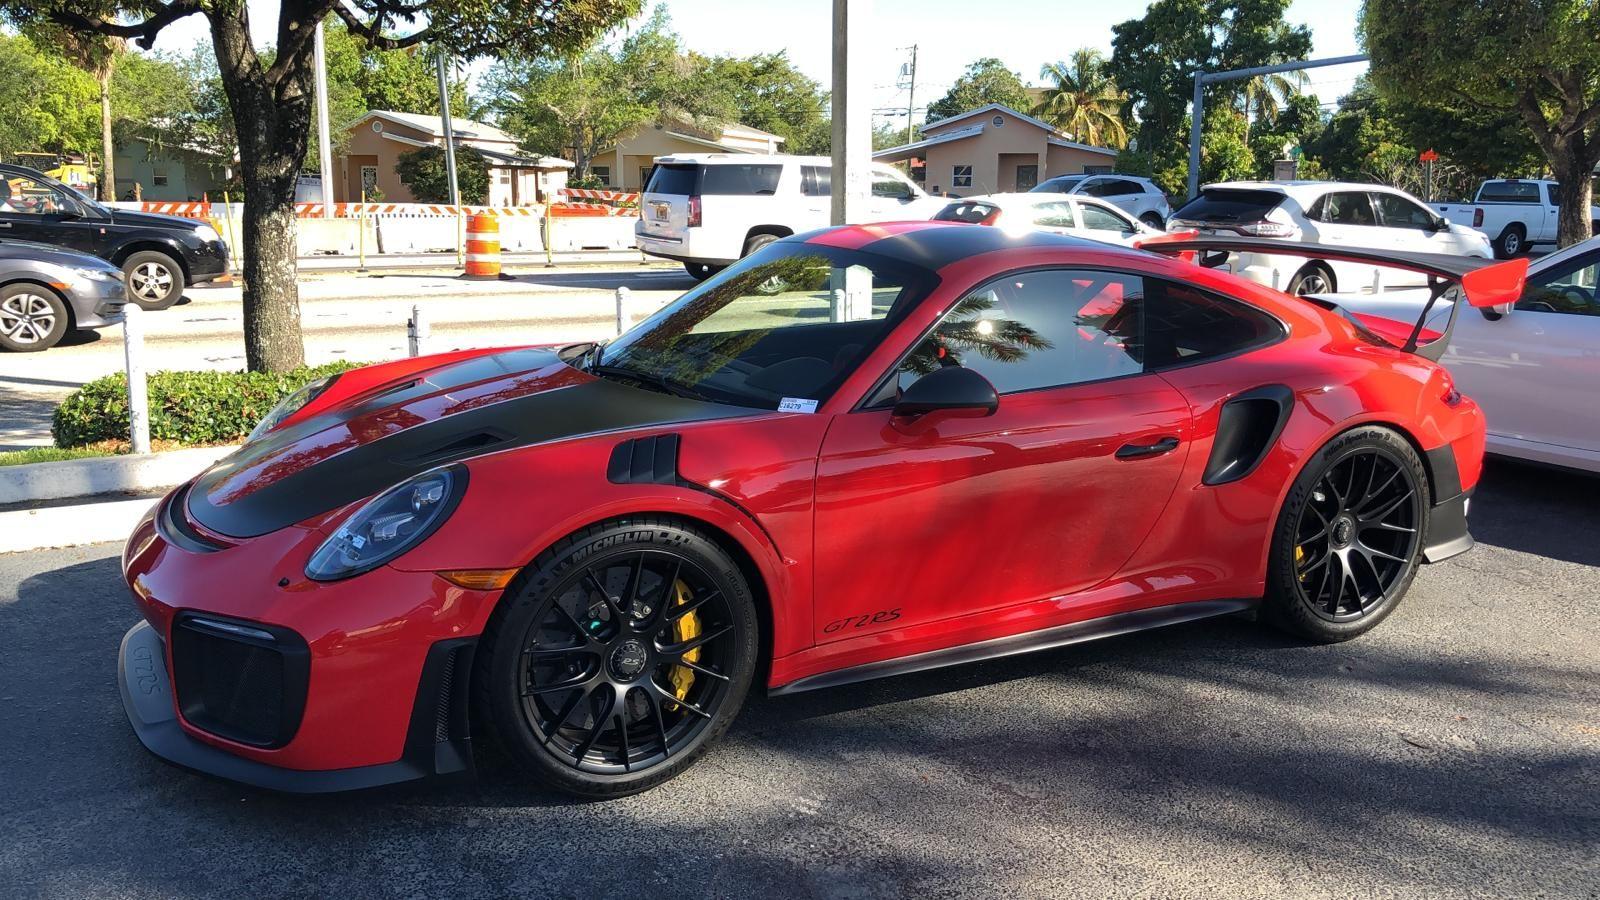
1454 752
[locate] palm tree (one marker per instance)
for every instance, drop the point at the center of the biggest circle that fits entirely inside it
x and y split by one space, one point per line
97 55
1083 101
1263 96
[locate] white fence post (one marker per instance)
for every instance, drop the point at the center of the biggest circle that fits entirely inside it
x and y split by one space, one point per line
417 332
138 393
623 321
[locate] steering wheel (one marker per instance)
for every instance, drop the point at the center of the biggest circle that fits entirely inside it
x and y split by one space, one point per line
1579 296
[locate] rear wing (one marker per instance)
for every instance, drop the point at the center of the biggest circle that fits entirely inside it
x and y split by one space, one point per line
1483 282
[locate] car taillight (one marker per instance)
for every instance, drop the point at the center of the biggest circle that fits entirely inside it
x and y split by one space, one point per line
1477 217
1268 229
992 218
694 212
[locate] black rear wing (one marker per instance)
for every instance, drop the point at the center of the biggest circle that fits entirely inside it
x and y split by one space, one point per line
1484 282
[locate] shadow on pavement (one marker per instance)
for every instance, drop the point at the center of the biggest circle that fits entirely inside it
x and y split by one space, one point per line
1539 510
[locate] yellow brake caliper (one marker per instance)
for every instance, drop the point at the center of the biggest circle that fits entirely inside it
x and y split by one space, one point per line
1299 556
686 628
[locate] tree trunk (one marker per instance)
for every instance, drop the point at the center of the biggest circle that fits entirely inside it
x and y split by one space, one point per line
272 338
108 171
1575 197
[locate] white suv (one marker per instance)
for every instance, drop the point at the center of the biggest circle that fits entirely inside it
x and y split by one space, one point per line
1336 213
708 210
1138 197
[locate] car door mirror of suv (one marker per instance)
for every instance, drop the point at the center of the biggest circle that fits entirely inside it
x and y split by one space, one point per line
948 389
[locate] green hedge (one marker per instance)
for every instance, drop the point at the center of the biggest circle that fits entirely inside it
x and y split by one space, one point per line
187 407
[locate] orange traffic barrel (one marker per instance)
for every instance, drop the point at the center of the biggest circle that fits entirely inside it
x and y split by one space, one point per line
483 247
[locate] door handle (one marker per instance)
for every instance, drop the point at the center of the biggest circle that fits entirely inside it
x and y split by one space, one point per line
5 224
1141 451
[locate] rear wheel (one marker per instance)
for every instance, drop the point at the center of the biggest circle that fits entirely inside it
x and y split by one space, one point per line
701 271
757 241
1510 242
32 318
155 280
1349 538
618 657
1315 278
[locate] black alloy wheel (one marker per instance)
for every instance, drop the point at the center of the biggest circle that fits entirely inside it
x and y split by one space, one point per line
635 655
1350 537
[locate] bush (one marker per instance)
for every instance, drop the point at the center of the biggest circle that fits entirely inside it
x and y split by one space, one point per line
187 407
424 171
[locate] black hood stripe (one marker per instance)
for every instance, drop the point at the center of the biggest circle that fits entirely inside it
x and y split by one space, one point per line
586 408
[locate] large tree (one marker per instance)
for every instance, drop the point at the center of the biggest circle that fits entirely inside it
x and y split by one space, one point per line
1083 101
98 55
1533 57
985 81
271 100
46 104
766 91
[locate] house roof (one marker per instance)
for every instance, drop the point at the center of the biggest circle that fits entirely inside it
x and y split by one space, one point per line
992 107
465 129
683 131
905 150
1052 135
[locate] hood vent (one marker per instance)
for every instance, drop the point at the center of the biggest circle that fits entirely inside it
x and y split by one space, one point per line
466 445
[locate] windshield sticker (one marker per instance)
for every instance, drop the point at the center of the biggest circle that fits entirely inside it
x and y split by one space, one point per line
797 404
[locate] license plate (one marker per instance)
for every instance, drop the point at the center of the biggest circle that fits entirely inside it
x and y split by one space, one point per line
661 212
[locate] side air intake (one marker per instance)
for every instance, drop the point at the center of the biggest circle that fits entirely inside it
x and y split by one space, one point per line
1249 426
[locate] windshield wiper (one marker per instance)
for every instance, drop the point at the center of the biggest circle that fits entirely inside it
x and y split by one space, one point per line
667 385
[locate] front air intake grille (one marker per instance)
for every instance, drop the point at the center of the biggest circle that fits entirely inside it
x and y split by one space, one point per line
242 681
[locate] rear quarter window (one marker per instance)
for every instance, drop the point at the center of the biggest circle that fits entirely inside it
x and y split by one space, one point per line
1229 206
740 180
1185 325
971 213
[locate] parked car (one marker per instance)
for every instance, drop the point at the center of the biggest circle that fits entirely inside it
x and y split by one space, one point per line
1324 212
1073 214
1515 213
1532 365
1138 197
860 452
159 255
708 210
46 292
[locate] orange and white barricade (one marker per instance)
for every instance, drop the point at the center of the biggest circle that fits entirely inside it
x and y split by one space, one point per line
483 247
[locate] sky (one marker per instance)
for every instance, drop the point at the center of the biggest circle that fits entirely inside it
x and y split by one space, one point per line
949 34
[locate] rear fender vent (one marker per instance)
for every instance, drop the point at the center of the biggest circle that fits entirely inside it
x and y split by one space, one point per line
647 460
1247 428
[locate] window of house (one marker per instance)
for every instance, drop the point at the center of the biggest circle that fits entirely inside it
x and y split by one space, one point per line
159 179
369 179
961 176
603 173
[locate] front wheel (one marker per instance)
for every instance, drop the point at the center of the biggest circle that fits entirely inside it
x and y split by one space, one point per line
1313 279
618 656
1349 537
32 318
155 280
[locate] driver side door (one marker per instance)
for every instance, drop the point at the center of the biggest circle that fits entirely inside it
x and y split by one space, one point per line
1534 371
943 515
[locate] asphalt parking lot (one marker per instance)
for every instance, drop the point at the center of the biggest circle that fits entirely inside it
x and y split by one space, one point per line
1453 752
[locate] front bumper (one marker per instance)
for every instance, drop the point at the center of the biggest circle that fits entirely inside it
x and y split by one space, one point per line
208 263
97 303
362 682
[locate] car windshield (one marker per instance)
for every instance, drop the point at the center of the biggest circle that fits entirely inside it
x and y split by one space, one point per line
1057 186
783 327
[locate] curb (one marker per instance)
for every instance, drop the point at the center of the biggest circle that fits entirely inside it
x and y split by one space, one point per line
145 472
67 526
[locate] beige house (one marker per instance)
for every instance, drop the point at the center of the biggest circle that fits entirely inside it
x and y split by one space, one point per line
994 149
378 138
626 166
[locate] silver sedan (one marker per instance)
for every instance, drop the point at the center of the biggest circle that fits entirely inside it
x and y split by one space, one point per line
46 292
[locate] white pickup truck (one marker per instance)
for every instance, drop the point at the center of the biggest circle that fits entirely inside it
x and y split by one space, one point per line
1515 213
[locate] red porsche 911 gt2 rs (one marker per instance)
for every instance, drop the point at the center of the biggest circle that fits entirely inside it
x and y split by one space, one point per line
865 451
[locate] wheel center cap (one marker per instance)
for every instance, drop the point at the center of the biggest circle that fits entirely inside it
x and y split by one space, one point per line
1343 531
629 659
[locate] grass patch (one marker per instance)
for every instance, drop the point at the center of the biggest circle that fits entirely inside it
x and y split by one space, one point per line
50 454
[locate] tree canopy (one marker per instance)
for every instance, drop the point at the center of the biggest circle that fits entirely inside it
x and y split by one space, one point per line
1083 101
985 81
424 171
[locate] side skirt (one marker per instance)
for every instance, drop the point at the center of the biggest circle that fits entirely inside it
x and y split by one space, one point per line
1011 645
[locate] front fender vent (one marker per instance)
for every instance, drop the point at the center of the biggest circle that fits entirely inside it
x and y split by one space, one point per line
646 460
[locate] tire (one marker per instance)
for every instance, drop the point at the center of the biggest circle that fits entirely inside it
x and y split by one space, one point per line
32 318
539 692
155 280
1355 522
1153 220
701 271
757 241
1315 278
1510 242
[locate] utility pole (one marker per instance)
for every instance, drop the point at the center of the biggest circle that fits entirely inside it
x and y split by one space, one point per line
852 112
324 143
911 96
449 134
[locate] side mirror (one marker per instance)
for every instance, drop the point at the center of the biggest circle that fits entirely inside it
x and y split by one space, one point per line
1497 312
948 388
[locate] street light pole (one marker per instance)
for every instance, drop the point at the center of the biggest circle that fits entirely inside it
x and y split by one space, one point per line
449 134
324 142
852 112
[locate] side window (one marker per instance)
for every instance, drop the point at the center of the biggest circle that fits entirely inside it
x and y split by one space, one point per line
1569 289
1118 187
740 179
1348 208
1318 209
1185 325
1398 212
1094 187
1038 329
886 185
816 181
1054 215
24 195
1097 219
1554 191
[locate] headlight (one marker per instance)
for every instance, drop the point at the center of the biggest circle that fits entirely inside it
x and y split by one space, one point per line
389 525
206 233
97 274
290 405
